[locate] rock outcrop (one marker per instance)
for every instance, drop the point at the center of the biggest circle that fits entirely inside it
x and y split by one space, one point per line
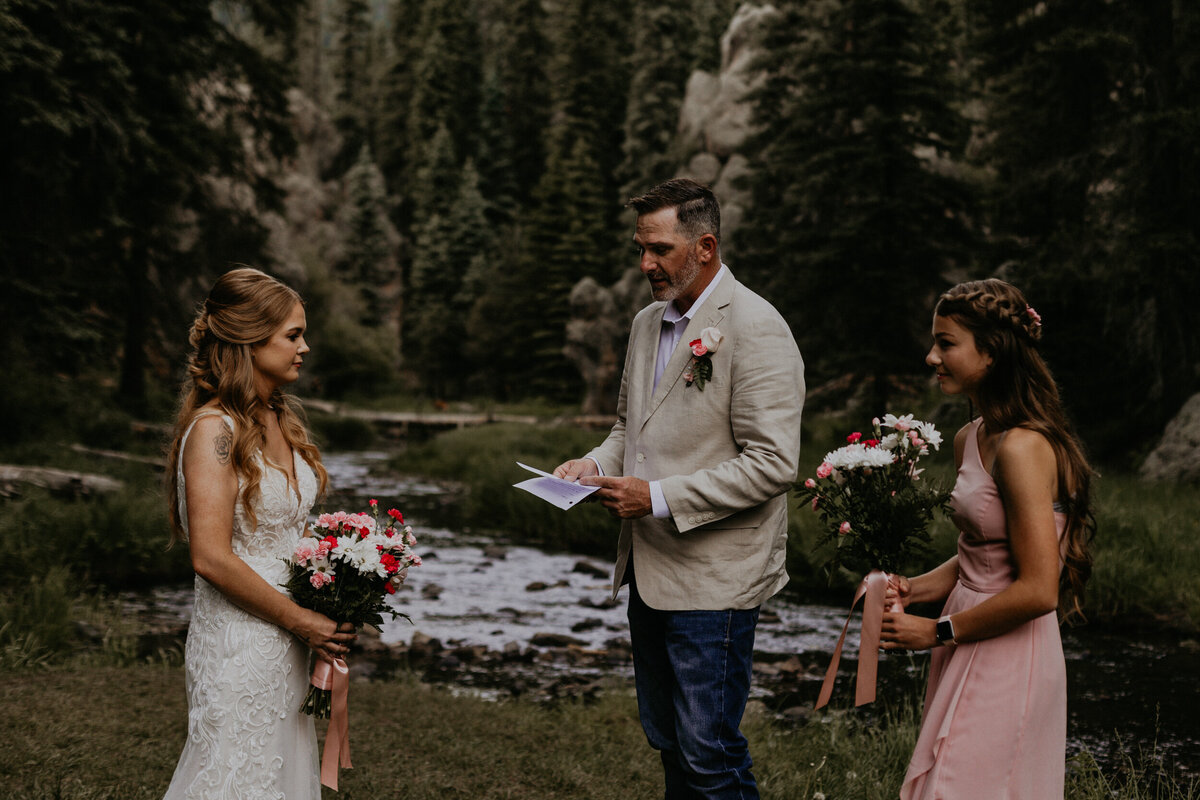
716 118
1177 456
597 334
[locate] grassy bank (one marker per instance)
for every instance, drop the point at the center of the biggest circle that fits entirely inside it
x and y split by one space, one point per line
105 733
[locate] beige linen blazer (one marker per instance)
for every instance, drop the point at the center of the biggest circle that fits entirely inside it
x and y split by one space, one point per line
725 456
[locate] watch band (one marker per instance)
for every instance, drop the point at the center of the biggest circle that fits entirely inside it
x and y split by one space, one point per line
945 631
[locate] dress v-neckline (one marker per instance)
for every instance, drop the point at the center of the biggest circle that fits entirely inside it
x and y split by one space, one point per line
292 480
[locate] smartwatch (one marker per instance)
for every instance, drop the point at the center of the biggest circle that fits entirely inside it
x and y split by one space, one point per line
945 631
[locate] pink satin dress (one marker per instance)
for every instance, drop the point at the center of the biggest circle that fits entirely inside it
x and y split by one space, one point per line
995 720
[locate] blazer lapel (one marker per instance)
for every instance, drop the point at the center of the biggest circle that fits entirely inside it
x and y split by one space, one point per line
709 315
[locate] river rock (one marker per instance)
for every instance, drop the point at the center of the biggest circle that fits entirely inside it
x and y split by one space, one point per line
1177 456
589 624
424 646
599 605
590 569
555 640
470 654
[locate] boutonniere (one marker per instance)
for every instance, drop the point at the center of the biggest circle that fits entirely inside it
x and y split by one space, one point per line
700 370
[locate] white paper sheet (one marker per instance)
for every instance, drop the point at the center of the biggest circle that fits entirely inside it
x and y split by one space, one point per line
554 491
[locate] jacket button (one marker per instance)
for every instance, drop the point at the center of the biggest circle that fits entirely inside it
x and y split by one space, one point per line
641 457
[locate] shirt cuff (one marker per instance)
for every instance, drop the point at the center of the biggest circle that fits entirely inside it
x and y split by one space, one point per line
658 502
599 469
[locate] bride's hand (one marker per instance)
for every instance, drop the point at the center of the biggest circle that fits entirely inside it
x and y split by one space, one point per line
329 640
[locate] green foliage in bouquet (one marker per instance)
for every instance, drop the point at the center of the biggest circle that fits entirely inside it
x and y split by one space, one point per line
875 508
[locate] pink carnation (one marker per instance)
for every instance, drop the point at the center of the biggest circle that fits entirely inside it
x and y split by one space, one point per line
306 549
844 528
320 579
698 348
825 470
810 484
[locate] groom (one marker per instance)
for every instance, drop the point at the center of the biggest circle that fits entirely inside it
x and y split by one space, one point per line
697 466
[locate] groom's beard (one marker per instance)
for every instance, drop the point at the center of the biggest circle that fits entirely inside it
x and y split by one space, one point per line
678 284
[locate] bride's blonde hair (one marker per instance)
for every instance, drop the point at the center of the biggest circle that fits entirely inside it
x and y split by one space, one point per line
245 308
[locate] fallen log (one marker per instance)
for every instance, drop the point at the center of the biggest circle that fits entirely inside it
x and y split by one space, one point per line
118 455
61 481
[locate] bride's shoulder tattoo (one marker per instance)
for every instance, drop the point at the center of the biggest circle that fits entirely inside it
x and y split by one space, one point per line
224 443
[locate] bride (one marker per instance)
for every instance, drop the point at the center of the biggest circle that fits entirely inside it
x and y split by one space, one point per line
243 475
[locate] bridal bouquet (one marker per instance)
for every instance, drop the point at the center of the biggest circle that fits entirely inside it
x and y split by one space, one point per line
345 571
869 494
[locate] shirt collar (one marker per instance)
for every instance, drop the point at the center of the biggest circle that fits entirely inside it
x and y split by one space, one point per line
671 314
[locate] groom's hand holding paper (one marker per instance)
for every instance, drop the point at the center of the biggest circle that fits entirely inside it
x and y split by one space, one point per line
556 491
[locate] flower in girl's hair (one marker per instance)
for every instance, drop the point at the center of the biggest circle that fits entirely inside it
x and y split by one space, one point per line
1033 315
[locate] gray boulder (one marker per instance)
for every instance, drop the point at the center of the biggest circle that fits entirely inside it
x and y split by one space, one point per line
1177 456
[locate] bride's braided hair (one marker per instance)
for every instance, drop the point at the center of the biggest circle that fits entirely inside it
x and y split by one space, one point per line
245 308
1019 391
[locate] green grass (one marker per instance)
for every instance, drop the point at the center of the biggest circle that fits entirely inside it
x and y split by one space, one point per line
106 733
1147 562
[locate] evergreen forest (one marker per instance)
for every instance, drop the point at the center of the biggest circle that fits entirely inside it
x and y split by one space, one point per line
442 179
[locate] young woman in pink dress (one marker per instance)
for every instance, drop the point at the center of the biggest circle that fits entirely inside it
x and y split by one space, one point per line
995 717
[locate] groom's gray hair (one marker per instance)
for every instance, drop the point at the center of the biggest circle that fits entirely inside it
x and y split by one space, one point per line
696 208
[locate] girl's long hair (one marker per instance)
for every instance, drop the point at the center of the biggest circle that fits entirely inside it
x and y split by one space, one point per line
245 308
1018 391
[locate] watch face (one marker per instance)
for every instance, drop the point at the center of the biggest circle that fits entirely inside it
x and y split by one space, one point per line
945 631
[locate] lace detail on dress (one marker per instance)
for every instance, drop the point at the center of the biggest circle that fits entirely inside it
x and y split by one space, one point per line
245 677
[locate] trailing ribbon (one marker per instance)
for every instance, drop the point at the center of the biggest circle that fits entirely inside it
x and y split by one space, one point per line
334 678
874 588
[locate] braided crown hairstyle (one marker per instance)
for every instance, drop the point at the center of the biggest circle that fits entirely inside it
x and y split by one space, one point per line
1019 391
244 308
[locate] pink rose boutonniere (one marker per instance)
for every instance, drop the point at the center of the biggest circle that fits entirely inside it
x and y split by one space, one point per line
700 370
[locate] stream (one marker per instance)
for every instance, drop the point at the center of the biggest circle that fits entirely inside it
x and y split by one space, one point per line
550 616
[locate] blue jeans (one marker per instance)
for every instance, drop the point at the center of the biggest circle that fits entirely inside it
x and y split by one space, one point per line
692 671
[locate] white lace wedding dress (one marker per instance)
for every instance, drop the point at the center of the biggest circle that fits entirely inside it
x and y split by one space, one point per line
247 677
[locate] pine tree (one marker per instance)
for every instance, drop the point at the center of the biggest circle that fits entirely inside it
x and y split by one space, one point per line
856 200
120 116
447 78
592 95
661 62
369 262
1096 198
524 89
500 180
564 239
433 329
352 58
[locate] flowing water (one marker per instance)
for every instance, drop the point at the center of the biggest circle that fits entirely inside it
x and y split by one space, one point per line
1128 694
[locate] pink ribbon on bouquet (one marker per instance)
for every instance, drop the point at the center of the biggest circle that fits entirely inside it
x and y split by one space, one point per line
334 678
874 588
